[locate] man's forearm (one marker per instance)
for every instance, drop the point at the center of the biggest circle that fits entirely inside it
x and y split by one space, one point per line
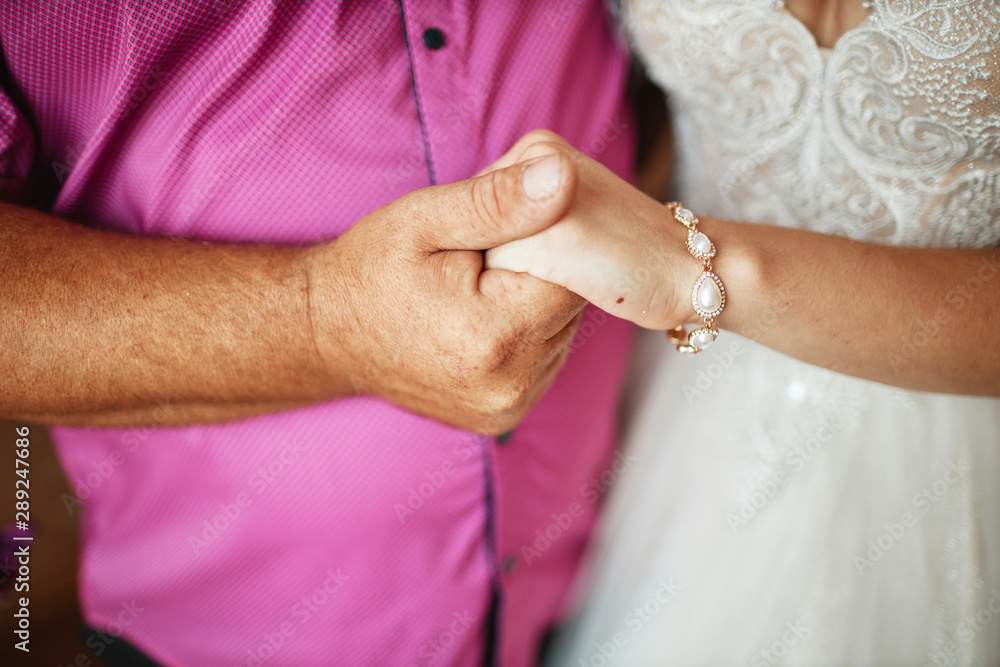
98 323
169 414
101 328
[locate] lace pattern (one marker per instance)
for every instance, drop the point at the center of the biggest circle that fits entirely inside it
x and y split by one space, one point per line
892 135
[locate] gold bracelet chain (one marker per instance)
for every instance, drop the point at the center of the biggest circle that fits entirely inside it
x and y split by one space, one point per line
708 296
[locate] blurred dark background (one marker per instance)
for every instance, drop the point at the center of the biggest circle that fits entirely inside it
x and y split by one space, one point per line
54 612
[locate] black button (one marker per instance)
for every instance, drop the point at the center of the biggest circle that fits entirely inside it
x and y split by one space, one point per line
509 563
504 437
433 39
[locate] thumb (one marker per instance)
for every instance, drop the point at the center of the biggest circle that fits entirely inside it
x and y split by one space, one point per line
500 206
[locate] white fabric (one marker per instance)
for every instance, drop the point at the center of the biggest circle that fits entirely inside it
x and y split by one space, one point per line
779 513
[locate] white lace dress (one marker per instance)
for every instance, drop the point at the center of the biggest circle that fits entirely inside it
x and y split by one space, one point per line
777 513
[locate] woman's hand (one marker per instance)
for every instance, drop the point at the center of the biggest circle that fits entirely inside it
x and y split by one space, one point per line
615 247
883 313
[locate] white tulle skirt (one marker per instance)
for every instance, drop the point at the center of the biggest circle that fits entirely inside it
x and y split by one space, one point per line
781 514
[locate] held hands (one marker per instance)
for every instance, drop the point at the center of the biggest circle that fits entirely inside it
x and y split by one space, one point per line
614 246
402 306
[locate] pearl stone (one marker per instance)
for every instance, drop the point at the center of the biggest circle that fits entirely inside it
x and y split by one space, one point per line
701 244
685 214
702 339
709 296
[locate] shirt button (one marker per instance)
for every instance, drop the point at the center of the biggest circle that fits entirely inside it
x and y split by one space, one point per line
433 39
504 437
509 563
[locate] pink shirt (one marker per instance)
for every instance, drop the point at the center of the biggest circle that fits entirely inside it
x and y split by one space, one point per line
351 532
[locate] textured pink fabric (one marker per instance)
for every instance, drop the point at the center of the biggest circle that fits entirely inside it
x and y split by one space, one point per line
348 533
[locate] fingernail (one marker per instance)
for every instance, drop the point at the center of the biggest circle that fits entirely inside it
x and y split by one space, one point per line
541 177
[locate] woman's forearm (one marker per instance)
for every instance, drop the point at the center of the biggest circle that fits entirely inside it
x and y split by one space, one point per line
918 318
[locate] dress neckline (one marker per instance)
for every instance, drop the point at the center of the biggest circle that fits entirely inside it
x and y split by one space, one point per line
781 8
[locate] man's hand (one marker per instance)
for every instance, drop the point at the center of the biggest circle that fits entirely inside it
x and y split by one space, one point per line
400 302
104 328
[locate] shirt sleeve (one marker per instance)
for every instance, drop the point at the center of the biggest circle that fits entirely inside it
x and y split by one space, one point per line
17 143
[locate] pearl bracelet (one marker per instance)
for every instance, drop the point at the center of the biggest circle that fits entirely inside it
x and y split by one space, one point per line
708 296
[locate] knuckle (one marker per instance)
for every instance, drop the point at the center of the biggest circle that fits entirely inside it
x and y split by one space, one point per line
490 424
534 337
519 391
487 199
492 352
501 399
480 355
543 136
499 406
540 148
506 402
409 218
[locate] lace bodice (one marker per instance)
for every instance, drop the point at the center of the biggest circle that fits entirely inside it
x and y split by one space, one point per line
892 135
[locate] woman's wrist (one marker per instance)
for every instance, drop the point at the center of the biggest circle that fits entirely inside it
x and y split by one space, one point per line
742 264
708 294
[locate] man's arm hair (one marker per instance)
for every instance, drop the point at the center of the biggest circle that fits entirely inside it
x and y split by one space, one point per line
101 328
